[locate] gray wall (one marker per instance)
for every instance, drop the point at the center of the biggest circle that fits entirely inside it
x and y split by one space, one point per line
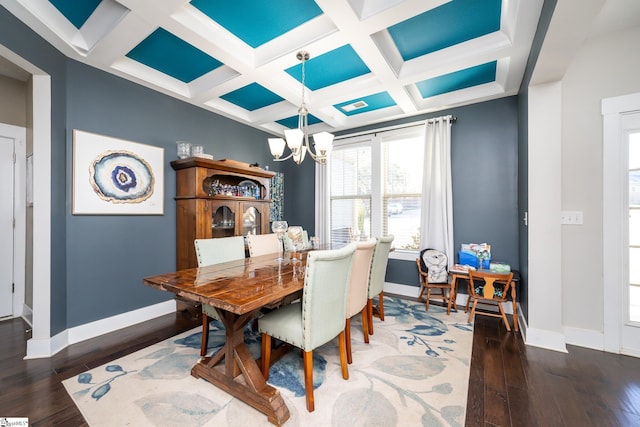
109 255
484 149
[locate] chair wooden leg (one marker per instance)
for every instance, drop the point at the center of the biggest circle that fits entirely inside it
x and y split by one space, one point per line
347 339
381 306
422 288
466 307
308 377
205 335
365 324
426 304
370 315
515 315
504 317
343 356
265 356
473 311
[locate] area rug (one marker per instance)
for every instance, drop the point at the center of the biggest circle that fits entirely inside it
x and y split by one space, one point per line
414 371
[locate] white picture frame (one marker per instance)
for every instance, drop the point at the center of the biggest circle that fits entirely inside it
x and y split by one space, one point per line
114 176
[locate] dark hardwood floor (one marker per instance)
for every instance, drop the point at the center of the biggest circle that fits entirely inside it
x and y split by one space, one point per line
510 384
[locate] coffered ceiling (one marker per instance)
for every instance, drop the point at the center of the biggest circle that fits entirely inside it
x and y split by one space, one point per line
370 60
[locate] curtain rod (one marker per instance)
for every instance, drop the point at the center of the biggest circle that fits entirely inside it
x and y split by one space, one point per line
402 126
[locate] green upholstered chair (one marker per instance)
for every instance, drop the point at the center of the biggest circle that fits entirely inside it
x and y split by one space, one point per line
215 251
358 291
317 318
262 244
376 277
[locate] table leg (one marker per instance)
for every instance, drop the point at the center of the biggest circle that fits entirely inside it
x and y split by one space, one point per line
515 307
452 295
238 361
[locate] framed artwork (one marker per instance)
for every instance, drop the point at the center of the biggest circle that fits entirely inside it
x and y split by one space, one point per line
116 177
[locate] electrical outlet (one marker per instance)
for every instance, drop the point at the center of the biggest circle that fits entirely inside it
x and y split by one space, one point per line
571 217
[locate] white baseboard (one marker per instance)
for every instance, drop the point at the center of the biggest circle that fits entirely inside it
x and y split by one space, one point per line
546 339
51 346
584 338
404 290
27 314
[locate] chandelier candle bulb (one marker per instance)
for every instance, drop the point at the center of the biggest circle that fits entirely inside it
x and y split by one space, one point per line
276 145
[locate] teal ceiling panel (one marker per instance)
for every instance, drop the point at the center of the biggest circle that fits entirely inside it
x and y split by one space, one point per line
173 56
445 26
257 22
364 104
474 76
77 12
330 68
292 122
252 97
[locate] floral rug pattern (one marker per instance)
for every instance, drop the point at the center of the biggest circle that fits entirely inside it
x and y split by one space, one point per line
415 371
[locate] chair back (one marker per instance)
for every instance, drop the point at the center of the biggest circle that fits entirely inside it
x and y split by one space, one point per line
379 265
215 251
296 238
434 263
324 298
359 282
262 244
489 285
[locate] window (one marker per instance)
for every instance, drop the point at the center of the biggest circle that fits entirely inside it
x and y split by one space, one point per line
375 186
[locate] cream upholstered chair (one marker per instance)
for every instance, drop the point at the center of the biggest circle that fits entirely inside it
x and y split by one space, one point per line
318 318
376 277
215 251
358 289
262 244
296 236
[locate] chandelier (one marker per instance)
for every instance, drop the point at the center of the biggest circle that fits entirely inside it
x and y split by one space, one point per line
298 139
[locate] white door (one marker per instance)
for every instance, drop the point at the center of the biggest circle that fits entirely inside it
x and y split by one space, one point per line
630 334
6 226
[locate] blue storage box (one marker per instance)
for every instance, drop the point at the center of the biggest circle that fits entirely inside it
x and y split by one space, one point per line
470 258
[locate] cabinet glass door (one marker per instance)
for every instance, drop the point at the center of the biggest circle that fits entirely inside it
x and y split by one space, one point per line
223 222
251 221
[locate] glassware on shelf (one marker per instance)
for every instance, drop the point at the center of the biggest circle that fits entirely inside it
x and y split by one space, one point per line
183 149
197 150
279 227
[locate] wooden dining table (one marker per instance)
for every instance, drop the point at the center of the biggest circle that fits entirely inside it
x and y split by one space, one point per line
239 290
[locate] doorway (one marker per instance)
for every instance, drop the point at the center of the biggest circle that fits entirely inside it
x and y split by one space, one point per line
41 343
621 224
12 220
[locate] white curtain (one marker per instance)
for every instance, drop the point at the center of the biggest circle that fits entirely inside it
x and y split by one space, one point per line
322 203
436 224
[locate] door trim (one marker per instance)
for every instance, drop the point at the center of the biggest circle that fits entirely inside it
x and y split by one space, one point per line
613 216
